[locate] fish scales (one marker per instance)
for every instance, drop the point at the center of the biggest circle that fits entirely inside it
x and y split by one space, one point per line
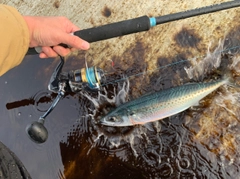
167 99
159 105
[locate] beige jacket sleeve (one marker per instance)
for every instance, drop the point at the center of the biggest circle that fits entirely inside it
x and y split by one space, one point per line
14 38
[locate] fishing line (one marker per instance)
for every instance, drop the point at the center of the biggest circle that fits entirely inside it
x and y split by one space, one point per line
165 66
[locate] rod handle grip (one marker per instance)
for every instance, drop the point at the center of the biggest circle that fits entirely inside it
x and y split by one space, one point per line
116 29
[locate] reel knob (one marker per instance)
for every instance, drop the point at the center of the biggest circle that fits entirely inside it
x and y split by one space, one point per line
37 132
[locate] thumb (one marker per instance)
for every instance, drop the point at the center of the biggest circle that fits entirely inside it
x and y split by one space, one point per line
75 42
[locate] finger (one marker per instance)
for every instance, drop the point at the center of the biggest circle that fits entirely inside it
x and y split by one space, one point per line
42 55
49 52
75 42
73 49
61 50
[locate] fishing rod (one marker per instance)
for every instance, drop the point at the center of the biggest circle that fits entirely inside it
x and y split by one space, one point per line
140 24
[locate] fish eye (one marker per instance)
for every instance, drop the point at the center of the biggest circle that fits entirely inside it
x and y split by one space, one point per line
112 119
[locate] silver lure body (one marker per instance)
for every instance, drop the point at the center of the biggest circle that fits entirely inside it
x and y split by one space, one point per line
159 105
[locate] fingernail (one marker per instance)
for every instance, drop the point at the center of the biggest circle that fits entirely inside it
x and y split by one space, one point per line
85 45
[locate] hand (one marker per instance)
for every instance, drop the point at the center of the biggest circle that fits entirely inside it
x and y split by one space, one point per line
48 32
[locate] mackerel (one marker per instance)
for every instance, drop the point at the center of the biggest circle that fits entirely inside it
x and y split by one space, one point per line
162 104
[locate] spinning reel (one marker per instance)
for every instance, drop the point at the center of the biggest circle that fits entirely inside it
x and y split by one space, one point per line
60 83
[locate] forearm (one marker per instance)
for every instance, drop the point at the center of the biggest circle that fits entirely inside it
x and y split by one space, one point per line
14 35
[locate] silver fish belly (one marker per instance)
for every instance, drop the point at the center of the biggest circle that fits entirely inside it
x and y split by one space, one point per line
160 105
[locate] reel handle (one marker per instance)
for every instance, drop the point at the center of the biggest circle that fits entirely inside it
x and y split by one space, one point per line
36 131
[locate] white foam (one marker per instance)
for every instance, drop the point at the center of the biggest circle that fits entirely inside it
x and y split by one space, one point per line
200 66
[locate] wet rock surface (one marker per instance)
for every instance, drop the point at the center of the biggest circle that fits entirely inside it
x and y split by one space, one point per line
202 142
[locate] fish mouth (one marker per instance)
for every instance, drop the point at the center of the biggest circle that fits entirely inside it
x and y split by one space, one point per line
113 124
119 123
105 123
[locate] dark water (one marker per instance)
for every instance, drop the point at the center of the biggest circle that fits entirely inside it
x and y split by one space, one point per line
79 148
